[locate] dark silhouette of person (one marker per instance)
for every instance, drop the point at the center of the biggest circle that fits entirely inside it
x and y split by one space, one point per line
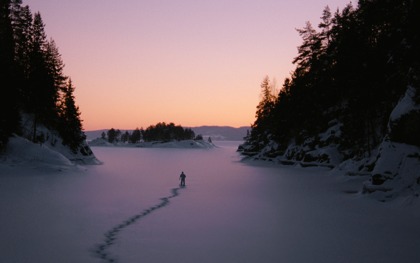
182 178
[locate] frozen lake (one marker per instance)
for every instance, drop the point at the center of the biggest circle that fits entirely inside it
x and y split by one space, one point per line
130 210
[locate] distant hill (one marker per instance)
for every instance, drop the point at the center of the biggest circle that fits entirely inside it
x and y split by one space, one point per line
91 135
222 133
217 133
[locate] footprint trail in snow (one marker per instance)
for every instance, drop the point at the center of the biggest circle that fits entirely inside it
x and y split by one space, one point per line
111 236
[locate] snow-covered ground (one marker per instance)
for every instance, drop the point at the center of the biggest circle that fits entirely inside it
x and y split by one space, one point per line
130 209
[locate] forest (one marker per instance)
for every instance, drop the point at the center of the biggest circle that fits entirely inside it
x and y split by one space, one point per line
34 86
350 73
159 132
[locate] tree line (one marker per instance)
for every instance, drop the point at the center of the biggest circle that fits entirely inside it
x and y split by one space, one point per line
159 132
32 79
352 70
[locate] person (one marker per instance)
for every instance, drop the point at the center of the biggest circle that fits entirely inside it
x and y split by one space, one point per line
182 178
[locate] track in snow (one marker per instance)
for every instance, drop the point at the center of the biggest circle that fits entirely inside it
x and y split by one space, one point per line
111 236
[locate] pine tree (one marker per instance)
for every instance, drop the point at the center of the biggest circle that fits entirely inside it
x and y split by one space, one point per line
38 76
71 129
9 116
135 136
310 50
266 105
263 124
325 25
112 135
55 66
22 21
31 69
22 30
45 78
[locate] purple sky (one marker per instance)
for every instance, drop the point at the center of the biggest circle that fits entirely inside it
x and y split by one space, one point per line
135 63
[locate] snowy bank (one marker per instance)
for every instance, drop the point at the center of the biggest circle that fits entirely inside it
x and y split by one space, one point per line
392 164
49 140
24 153
20 151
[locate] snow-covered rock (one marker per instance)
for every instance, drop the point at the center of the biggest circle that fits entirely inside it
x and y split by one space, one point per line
404 120
51 139
405 105
392 165
396 166
396 171
21 150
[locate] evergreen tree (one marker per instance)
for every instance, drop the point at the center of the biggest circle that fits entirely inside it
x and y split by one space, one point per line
45 79
71 129
55 66
39 81
112 135
9 118
22 27
310 50
266 104
31 69
135 136
325 25
263 123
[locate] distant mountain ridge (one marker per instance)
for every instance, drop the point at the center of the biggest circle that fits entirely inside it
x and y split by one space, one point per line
217 133
222 133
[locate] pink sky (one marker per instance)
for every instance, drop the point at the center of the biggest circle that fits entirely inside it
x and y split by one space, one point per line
135 63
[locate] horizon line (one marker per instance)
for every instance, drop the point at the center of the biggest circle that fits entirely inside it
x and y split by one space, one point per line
191 127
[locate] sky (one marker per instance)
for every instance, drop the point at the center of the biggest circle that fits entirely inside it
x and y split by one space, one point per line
135 63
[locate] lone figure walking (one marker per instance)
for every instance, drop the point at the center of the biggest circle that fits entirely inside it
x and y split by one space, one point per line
182 178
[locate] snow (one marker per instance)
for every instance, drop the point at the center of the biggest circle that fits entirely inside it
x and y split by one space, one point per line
405 105
230 210
50 139
21 150
397 165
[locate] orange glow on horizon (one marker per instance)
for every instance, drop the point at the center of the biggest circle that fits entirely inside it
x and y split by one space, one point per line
189 62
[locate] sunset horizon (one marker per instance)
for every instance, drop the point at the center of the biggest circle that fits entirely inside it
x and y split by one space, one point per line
210 131
184 62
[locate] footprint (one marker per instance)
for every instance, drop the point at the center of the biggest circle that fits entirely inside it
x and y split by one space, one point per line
111 235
